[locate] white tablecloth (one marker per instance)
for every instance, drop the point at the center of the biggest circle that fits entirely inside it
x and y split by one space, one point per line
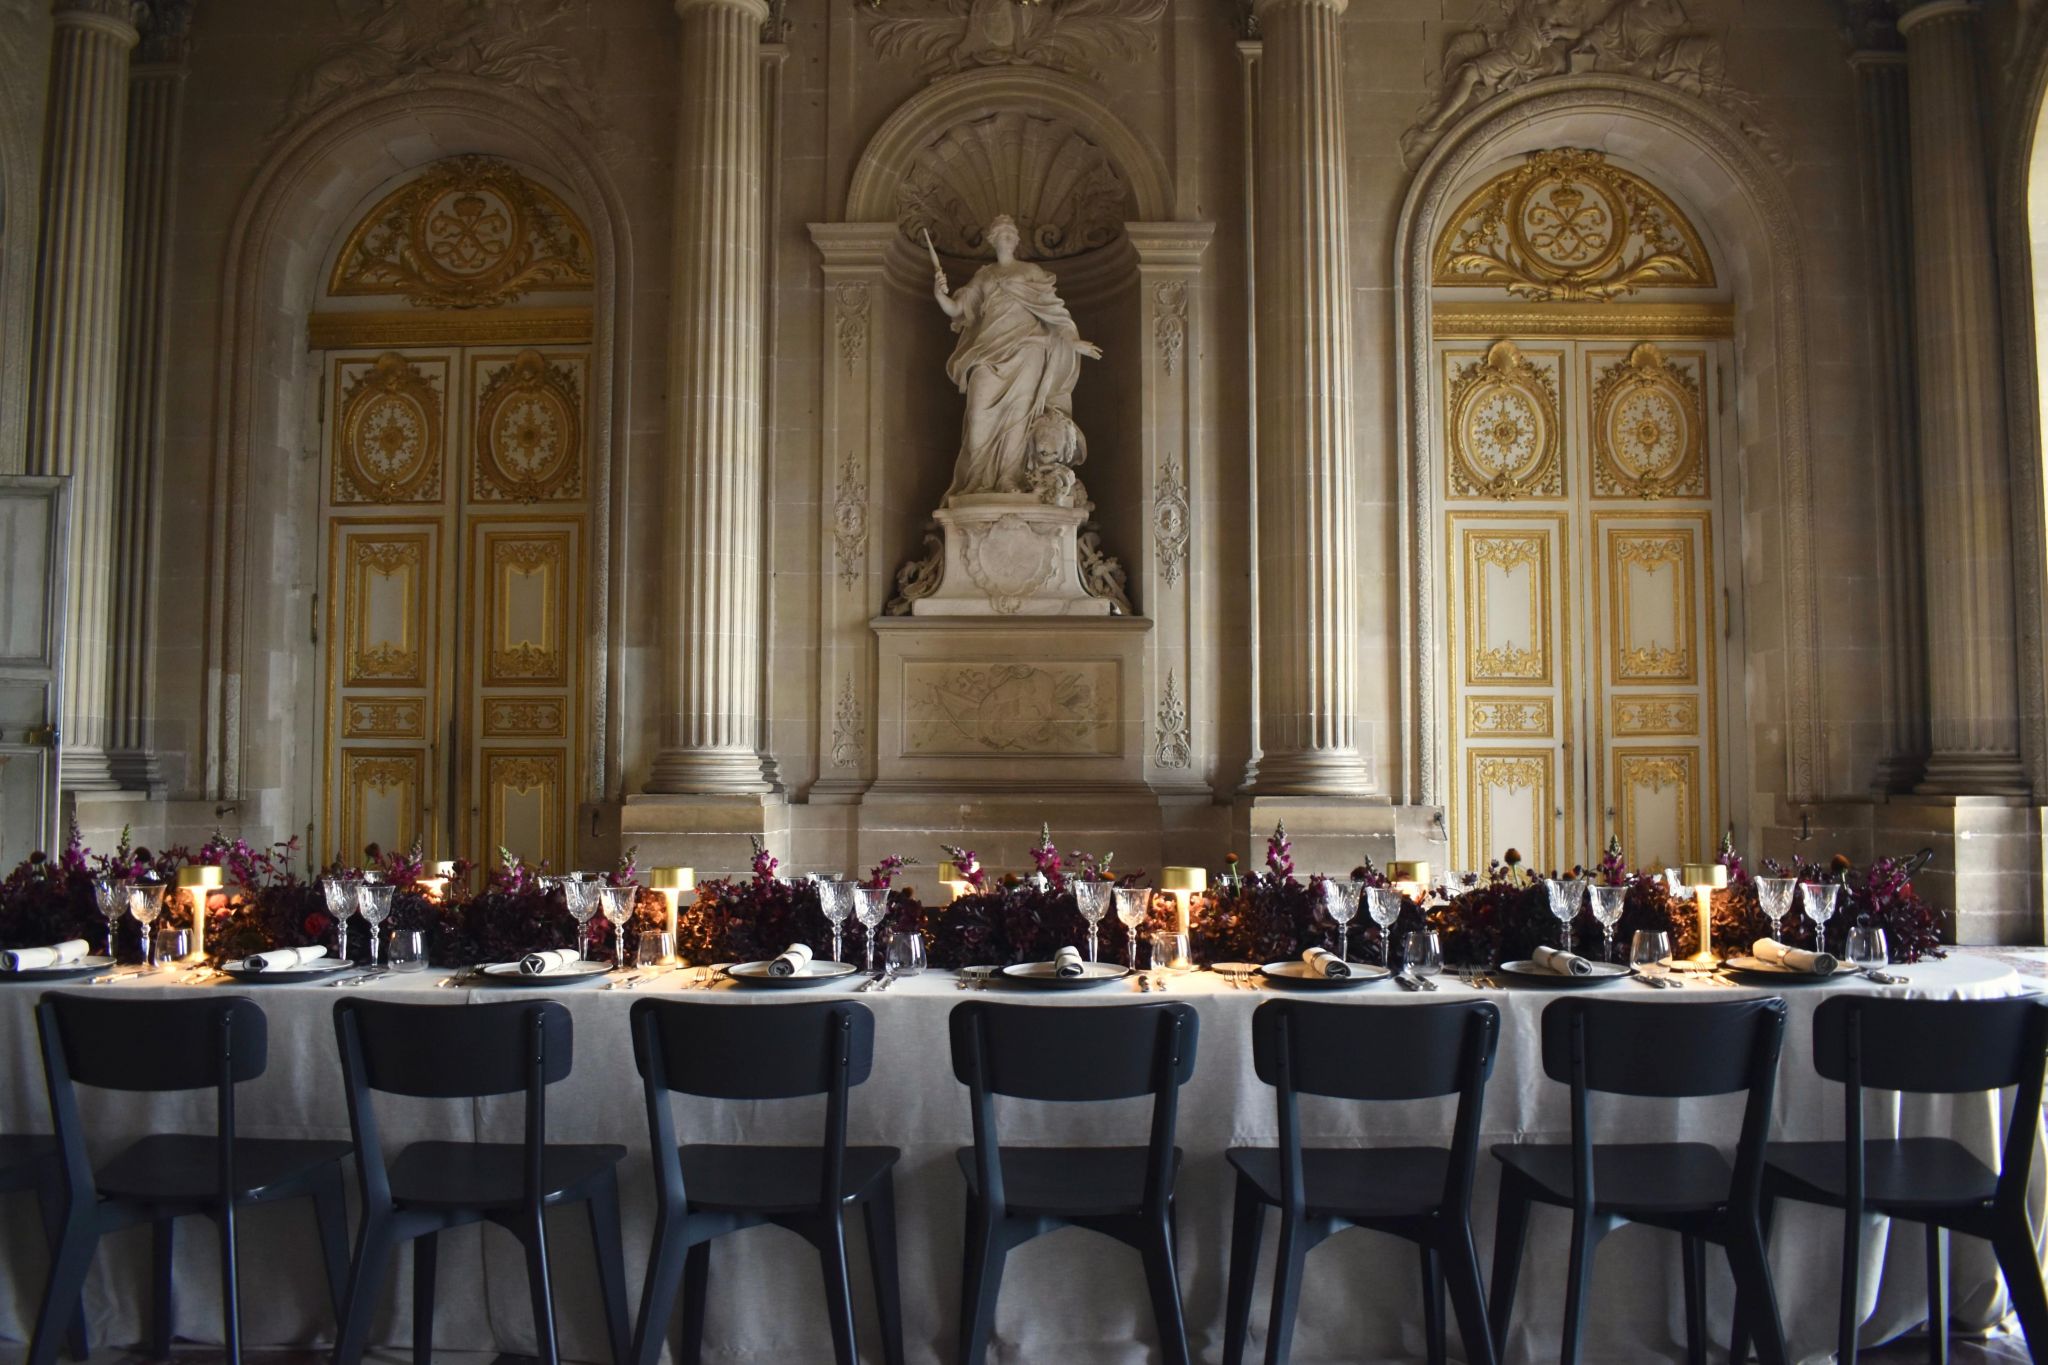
1071 1297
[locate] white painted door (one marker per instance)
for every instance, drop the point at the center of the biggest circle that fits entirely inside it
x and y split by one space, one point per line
34 530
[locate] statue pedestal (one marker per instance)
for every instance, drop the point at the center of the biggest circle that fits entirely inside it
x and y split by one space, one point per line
1008 554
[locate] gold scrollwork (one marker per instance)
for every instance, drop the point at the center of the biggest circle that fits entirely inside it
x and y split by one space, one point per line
1522 717
516 718
1659 715
1508 552
529 433
1656 772
515 659
470 233
1497 772
1567 225
391 434
1648 429
386 649
1635 557
1504 427
400 719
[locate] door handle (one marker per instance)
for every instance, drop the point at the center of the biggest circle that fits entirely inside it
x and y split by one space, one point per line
45 735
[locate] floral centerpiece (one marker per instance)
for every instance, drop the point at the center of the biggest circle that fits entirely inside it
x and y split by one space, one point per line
1003 923
754 918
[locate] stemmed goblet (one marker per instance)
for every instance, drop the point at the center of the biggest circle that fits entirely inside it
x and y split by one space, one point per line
1340 903
871 906
107 895
146 902
1774 898
1608 903
1091 898
1383 903
341 903
1567 897
1132 903
1820 905
579 896
373 903
617 904
835 899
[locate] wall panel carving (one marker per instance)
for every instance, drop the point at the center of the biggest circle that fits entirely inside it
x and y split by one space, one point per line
1507 439
529 428
1648 423
389 416
998 708
1066 195
944 36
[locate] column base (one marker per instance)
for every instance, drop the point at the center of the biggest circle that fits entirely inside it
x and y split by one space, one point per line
1333 835
86 770
1987 861
713 834
710 772
1307 772
1974 774
1899 773
137 770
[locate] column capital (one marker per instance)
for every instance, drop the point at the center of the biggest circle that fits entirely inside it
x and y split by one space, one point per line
756 10
119 19
1169 246
1935 9
854 244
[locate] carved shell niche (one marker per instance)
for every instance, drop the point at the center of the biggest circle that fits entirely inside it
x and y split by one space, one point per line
1064 191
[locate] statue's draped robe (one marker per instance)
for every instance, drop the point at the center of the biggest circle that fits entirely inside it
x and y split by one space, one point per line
1015 359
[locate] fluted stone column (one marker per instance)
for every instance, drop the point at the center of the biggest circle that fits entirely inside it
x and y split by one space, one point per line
1308 626
156 92
713 610
74 387
1965 485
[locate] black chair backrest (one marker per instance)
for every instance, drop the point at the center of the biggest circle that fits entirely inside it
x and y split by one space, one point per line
1415 1052
1667 1050
1937 1047
1078 1054
445 1052
1083 1053
158 1044
721 1051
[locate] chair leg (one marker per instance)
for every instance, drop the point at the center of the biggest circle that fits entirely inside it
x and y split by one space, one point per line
880 1218
163 1300
1460 1261
1848 1320
696 1293
330 1212
1247 1223
1585 1237
426 1259
541 1288
1293 1250
1693 1256
374 1245
838 1289
1756 1302
1510 1229
2013 1242
611 1267
70 1259
1163 1278
658 1293
1432 1304
1937 1294
1739 1334
230 1285
981 1284
50 1200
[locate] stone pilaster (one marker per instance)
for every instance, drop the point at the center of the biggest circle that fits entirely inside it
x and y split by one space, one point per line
74 386
156 91
1973 691
1308 625
713 626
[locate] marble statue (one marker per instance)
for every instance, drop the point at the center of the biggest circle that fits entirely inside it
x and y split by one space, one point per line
1018 356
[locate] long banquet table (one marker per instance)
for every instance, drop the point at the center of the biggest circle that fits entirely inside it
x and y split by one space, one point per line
1071 1297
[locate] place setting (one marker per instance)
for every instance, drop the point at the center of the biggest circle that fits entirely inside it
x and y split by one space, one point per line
66 961
795 968
1067 971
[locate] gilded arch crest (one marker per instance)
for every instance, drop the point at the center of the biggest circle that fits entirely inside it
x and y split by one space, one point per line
1567 225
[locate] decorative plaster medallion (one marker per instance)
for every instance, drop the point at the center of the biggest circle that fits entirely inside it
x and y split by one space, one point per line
1010 560
1648 424
850 522
1175 743
391 435
1062 190
1506 439
529 434
944 36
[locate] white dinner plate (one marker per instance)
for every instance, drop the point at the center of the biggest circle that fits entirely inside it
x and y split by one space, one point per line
68 971
1537 974
319 969
1045 975
1756 966
817 973
1295 972
575 974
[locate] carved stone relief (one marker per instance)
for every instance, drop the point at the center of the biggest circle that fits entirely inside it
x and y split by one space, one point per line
1064 193
848 730
1170 321
1528 40
1175 741
850 522
978 709
1170 522
851 326
921 575
945 36
1102 575
1010 559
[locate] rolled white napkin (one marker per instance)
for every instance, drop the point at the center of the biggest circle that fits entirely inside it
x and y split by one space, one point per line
1067 962
1323 962
794 960
1793 959
56 955
283 959
1563 963
549 962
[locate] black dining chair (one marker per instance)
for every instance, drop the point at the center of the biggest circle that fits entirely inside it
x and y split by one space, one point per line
1014 1194
30 1164
469 1052
1422 1194
1667 1051
704 1191
165 1045
1924 1047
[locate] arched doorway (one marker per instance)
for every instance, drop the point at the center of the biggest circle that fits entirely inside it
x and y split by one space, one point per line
453 343
1581 356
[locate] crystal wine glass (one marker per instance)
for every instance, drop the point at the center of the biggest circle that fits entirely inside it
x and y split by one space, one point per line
373 903
1421 955
1650 954
835 899
579 896
111 898
871 906
1384 904
1567 898
1608 902
1820 904
1132 903
1091 898
617 904
1340 903
146 902
341 903
1774 898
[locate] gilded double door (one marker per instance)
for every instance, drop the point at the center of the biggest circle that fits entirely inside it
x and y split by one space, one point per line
1582 598
455 510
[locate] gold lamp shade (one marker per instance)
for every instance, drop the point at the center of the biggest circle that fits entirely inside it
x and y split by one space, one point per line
199 883
672 882
1713 876
1184 880
1408 873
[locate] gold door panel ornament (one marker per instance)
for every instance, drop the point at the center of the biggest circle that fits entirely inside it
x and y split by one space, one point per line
404 718
382 797
1654 624
1659 805
1636 716
521 719
386 605
1648 424
1506 436
1508 591
1510 798
525 574
523 793
389 414
1518 717
1567 225
471 232
529 428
